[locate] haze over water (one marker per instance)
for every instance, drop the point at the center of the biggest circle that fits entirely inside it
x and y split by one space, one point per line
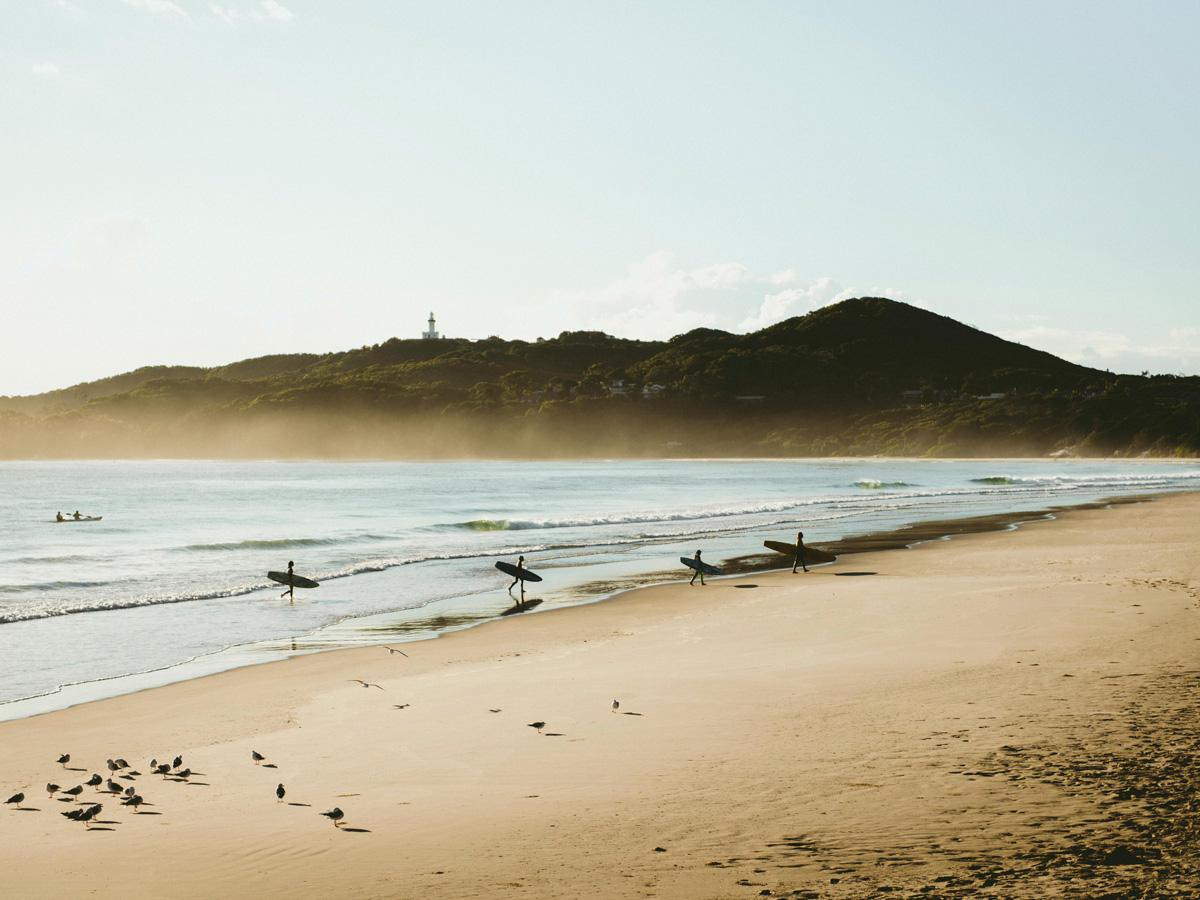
176 570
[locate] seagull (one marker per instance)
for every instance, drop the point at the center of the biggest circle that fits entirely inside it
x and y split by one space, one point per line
64 759
114 787
279 792
121 763
185 774
51 788
94 780
75 814
256 756
112 766
163 769
75 791
177 762
401 705
134 800
153 764
334 815
90 813
16 798
130 791
616 705
538 725
365 684
392 650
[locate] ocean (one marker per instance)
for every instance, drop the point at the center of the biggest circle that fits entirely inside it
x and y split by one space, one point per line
171 582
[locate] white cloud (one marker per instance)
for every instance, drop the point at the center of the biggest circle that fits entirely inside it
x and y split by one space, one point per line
277 11
45 70
794 301
163 8
1179 353
267 10
657 299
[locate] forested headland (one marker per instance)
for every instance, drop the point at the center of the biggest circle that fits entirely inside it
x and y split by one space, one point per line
868 376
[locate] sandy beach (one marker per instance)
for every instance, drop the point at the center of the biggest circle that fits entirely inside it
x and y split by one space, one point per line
1013 714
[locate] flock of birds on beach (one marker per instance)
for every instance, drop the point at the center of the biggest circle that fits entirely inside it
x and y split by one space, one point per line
128 793
88 812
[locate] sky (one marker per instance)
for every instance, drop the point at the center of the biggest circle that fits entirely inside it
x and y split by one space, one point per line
194 183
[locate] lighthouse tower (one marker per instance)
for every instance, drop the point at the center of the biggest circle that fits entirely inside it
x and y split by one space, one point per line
431 334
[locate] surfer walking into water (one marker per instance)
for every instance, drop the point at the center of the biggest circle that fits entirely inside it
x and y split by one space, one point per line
699 571
516 580
291 591
799 553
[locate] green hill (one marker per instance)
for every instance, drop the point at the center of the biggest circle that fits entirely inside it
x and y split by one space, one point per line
865 376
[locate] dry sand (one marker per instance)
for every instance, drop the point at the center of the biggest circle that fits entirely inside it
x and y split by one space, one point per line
1009 714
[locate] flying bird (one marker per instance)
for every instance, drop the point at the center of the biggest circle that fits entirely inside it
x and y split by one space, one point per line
334 815
16 798
279 792
256 756
365 684
538 725
392 650
64 759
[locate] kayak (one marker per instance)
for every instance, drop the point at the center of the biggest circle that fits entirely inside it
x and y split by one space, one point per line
80 519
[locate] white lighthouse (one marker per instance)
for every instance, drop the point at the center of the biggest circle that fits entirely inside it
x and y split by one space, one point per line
431 334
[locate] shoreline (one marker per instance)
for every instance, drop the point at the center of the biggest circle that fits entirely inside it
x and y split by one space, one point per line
261 652
1012 710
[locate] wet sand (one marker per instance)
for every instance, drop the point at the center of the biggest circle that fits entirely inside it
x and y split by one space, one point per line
1009 714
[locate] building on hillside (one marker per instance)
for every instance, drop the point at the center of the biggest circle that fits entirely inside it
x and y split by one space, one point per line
431 334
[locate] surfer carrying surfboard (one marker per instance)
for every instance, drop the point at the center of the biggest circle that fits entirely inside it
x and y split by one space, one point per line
291 591
699 570
799 553
517 579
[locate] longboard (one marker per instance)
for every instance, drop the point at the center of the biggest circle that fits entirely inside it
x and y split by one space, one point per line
700 566
292 580
523 574
811 554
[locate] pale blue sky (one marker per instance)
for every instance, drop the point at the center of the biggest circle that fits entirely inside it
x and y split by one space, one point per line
190 182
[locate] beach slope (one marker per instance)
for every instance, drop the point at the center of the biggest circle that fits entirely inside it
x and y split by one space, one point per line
1016 711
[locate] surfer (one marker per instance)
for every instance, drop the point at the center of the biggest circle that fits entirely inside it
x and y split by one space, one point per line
291 591
699 571
799 553
515 581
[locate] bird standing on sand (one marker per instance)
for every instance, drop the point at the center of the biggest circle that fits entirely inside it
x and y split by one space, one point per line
75 791
51 788
94 780
16 798
114 787
392 650
279 792
334 815
256 756
538 725
112 765
135 801
366 684
64 759
184 774
177 762
616 705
